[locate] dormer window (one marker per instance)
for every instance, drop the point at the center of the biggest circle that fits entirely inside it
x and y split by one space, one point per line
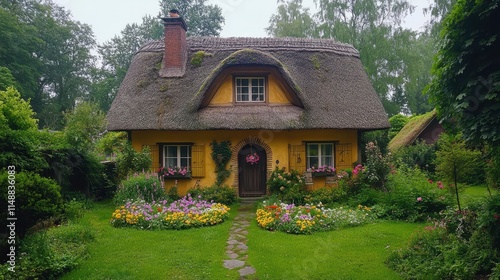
250 89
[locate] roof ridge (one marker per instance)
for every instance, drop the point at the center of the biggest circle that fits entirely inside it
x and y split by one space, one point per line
265 44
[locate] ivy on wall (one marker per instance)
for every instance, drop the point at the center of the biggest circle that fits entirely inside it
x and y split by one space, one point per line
221 154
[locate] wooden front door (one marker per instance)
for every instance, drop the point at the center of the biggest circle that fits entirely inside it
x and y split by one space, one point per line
252 175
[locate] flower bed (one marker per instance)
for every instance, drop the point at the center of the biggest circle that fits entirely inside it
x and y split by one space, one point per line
307 219
181 214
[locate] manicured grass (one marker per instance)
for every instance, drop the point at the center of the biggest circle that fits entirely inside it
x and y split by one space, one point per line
351 253
126 253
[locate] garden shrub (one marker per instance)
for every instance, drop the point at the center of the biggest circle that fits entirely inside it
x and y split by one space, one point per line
453 156
420 154
454 248
376 169
142 186
37 199
130 161
49 254
289 187
413 197
221 194
493 168
397 123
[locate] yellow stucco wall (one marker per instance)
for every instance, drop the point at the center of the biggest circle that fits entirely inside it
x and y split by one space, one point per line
277 141
224 95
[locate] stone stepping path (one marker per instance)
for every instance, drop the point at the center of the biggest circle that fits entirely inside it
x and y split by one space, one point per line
237 248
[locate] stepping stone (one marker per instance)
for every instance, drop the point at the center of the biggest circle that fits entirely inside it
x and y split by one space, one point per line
247 270
242 247
230 264
232 242
233 255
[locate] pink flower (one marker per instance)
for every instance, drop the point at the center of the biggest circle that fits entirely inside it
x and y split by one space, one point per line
440 184
430 181
419 198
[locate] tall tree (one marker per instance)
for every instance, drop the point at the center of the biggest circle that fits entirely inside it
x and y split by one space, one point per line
392 55
201 19
116 54
62 55
466 84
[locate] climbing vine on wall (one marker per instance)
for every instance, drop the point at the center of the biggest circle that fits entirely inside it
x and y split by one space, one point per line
221 154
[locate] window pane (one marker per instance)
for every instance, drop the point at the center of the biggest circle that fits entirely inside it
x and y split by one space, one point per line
312 161
255 82
184 162
171 151
184 151
244 82
312 150
327 149
171 162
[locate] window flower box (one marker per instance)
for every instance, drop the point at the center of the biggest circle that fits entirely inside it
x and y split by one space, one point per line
175 172
322 171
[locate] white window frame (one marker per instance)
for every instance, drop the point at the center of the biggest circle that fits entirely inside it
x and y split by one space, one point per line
321 151
179 157
239 95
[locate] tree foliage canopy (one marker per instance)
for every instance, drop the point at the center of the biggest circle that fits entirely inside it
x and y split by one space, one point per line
466 83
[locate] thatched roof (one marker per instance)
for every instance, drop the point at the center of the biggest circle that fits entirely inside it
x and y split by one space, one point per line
410 132
330 88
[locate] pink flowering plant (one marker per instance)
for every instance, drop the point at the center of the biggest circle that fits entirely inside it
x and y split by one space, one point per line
180 214
289 186
252 158
173 171
327 169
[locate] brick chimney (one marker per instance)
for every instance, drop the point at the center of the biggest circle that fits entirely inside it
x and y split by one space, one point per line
175 55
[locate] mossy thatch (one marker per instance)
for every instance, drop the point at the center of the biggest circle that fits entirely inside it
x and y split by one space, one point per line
410 132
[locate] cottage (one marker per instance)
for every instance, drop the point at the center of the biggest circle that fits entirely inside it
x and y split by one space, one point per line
297 103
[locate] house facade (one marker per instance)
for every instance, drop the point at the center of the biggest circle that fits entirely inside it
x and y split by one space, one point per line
287 102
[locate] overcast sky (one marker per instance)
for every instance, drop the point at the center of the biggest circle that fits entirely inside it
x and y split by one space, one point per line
243 18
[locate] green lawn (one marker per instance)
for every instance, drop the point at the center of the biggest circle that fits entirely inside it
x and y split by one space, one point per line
352 253
124 253
472 194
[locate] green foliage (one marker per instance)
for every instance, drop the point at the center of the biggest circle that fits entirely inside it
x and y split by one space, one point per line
493 168
379 137
420 154
454 158
221 154
37 199
325 195
288 187
377 167
374 28
130 161
15 113
111 143
220 194
201 19
412 196
6 79
84 125
48 255
143 186
465 83
454 248
197 58
397 123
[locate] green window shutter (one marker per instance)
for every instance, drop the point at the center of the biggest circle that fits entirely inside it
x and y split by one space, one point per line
297 157
198 161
